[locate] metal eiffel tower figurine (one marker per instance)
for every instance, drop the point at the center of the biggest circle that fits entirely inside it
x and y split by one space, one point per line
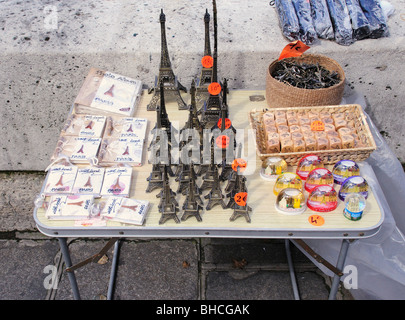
239 186
168 209
234 174
163 124
162 193
191 205
211 111
166 74
215 196
206 73
228 153
156 179
187 173
211 173
238 210
193 122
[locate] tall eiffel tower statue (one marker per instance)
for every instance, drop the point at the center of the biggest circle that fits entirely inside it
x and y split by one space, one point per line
166 74
206 73
211 111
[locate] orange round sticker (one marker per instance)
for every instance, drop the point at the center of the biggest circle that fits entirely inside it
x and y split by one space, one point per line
240 198
222 141
207 61
239 163
317 125
316 220
228 123
214 88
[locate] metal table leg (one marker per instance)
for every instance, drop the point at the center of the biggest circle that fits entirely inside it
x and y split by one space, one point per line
68 262
291 267
340 264
113 271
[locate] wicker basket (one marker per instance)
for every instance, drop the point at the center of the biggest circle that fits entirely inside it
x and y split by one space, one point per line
328 156
282 95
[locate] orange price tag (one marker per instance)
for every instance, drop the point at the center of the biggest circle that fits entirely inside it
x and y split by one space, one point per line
207 61
222 141
240 198
293 49
317 125
214 88
239 163
228 123
316 220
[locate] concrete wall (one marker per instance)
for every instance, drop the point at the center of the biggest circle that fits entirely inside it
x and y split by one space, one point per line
48 48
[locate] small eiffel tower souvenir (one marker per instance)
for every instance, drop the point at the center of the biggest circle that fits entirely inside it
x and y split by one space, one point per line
162 194
193 123
239 210
166 74
206 73
168 209
234 174
215 196
163 125
155 180
240 181
211 173
191 206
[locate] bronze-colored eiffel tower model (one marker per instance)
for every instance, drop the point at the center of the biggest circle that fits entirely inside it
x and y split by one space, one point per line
234 174
206 73
215 196
238 210
239 186
163 125
192 204
187 173
162 194
211 173
155 179
168 208
228 152
166 74
193 121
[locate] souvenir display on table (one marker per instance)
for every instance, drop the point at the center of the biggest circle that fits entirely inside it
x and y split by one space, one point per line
128 127
122 150
91 126
125 210
106 92
287 180
291 201
317 177
345 169
117 181
272 167
70 207
354 184
89 181
355 203
60 179
323 198
77 149
307 164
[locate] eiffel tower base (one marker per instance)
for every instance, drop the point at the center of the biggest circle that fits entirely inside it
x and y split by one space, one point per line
168 216
240 211
191 213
